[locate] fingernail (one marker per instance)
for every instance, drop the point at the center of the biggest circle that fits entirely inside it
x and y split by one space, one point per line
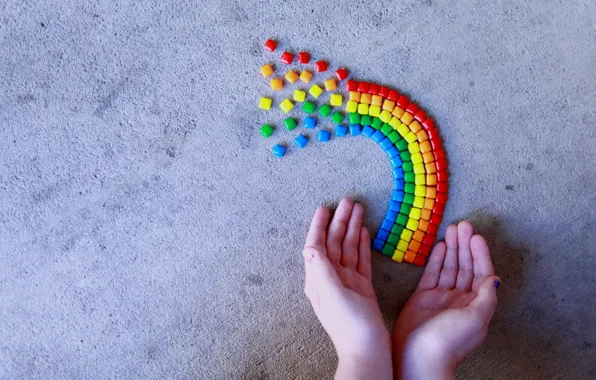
308 255
497 284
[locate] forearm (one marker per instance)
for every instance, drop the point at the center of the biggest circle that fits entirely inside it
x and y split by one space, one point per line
411 362
365 368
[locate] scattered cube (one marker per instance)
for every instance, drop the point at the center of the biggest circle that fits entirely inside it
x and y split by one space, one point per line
286 105
279 151
270 45
325 110
336 100
330 84
305 76
287 57
321 66
301 141
341 130
292 76
290 123
341 74
303 57
266 70
277 84
299 95
266 130
265 104
310 122
309 107
324 135
315 91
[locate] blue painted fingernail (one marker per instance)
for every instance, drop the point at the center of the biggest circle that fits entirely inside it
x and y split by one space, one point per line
497 284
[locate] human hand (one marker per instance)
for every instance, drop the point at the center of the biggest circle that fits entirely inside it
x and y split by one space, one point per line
447 317
338 285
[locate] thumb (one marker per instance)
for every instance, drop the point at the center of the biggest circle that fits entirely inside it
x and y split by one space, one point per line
320 273
486 301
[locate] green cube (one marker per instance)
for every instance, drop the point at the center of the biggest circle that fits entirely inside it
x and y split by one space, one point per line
377 123
402 219
325 110
393 137
386 129
409 187
407 166
309 107
266 130
409 179
388 250
393 239
397 229
365 120
405 155
290 123
354 118
402 145
337 117
409 199
405 208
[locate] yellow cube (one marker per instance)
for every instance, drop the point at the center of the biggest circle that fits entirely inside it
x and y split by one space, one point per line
403 130
406 236
292 76
394 122
277 84
398 255
407 118
385 116
330 84
299 95
355 96
365 98
266 70
374 111
286 105
363 109
418 202
351 106
265 104
315 91
416 157
388 105
419 179
410 136
412 225
336 100
414 147
377 100
306 76
415 213
419 169
420 191
402 245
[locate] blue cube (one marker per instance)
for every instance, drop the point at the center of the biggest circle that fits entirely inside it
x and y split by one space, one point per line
355 129
378 244
392 152
382 234
391 215
398 173
399 183
324 135
279 151
301 141
386 143
396 162
394 205
341 130
398 195
368 131
378 136
387 224
310 122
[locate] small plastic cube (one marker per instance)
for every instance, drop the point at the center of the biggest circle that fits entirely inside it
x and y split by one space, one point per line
330 84
265 104
279 151
363 109
310 122
321 66
287 57
336 100
266 130
355 96
299 95
266 70
325 110
290 123
303 57
315 91
351 106
277 84
292 76
341 74
301 141
270 45
306 76
355 129
341 130
286 105
309 107
324 135
337 117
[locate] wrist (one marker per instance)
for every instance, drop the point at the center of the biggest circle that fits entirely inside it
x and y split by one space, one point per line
415 359
367 362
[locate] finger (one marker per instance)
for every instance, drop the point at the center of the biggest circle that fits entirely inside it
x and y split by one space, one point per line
465 274
486 301
364 266
483 265
449 271
430 278
349 247
337 229
317 233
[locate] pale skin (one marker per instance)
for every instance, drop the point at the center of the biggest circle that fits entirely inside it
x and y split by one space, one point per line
440 325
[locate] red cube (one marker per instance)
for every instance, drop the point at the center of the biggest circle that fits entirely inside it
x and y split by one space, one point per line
321 66
420 260
424 248
373 89
441 198
442 187
436 142
441 165
442 176
303 57
420 115
393 96
384 91
402 102
428 123
412 108
432 229
439 154
438 209
428 239
287 57
433 134
435 219
352 85
363 87
341 74
270 45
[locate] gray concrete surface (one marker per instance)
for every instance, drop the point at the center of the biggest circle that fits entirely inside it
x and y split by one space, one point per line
147 232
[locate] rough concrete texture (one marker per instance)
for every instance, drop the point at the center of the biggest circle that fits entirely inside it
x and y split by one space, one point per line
147 231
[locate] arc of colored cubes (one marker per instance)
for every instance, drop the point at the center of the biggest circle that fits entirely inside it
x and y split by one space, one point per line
419 167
